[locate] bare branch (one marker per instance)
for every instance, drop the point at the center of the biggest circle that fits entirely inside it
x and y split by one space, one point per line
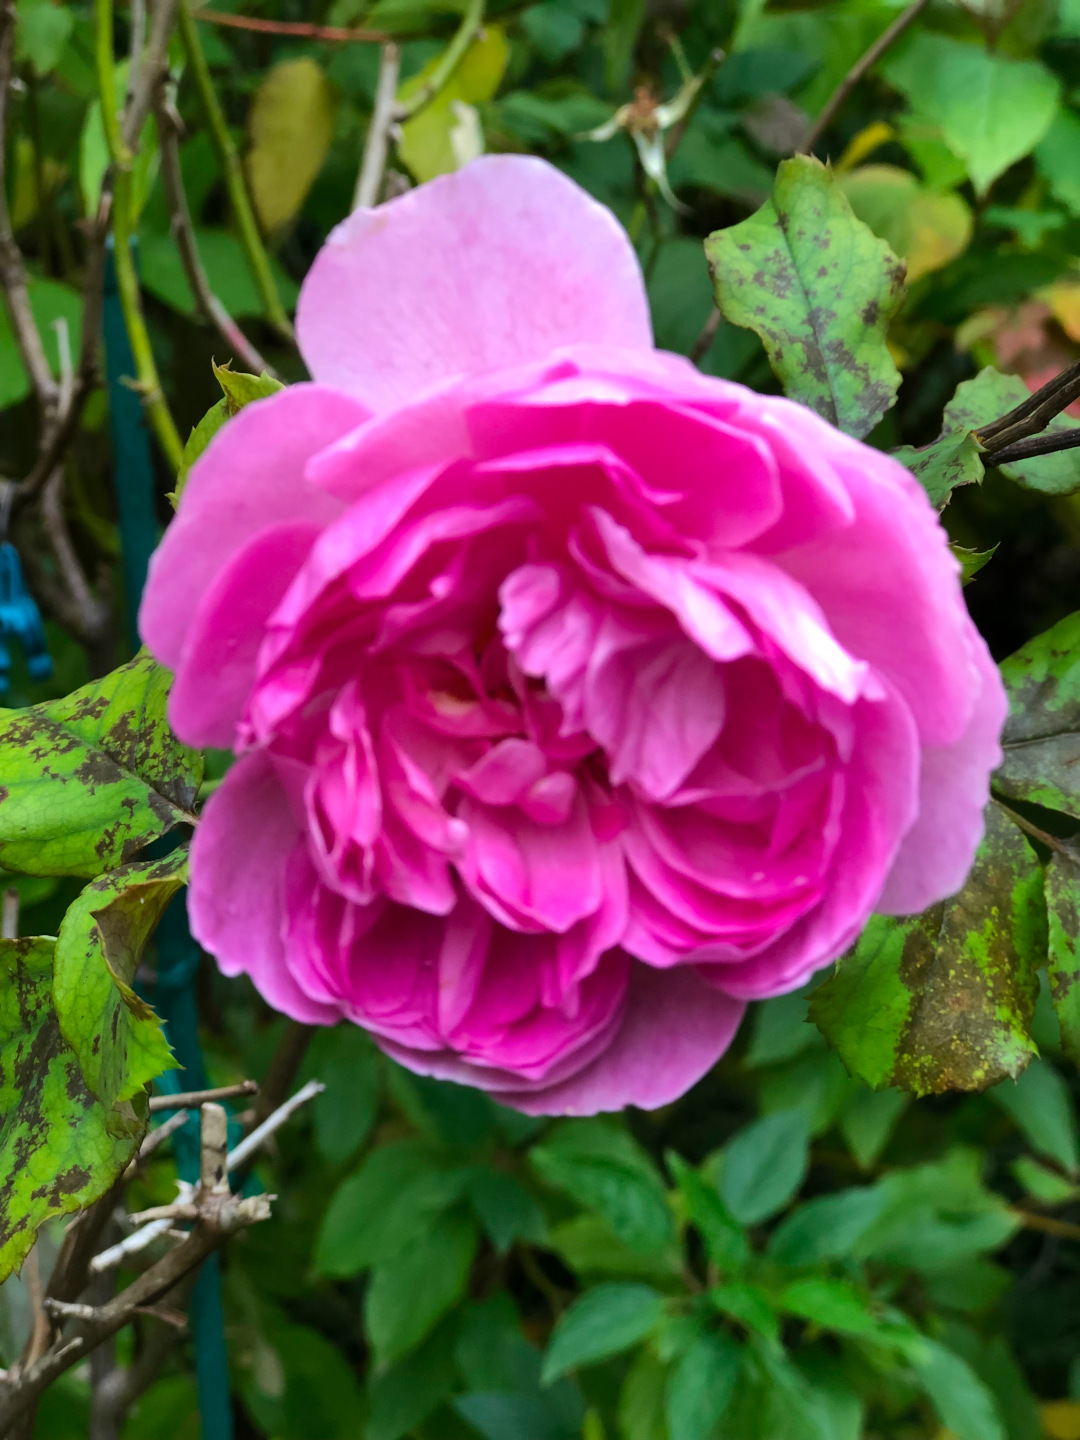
201 1097
377 142
297 29
262 1133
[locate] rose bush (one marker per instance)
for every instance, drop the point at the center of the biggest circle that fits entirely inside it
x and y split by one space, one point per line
579 698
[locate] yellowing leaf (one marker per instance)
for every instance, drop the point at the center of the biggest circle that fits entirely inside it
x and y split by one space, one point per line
427 141
1061 1419
869 139
291 124
1064 300
925 228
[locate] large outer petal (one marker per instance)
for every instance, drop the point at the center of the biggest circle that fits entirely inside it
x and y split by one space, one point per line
498 263
250 477
954 787
236 904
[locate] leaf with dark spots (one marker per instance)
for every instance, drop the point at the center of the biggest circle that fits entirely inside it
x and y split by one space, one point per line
116 1035
60 1148
93 778
1063 949
953 459
991 395
1041 739
944 1000
820 289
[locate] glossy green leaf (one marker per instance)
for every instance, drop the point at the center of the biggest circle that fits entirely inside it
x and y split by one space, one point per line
820 289
89 780
700 1387
1062 884
604 1169
944 1000
603 1322
826 1227
1041 739
116 1035
764 1165
410 1292
992 109
60 1149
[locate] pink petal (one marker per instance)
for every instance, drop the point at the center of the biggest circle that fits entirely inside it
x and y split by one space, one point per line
495 264
250 477
218 665
236 902
954 787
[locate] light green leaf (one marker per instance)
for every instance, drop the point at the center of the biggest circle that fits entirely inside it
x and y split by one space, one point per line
1055 156
49 302
700 1387
604 1321
925 228
238 389
290 126
953 459
972 561
590 1248
60 1149
606 1171
427 146
992 110
89 780
1062 884
1041 739
117 1037
751 1305
764 1165
1040 1105
43 29
989 396
1046 1186
820 289
641 1400
963 1402
162 272
410 1292
944 1000
830 1304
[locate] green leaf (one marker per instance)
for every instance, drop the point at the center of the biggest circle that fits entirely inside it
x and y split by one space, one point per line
700 1387
238 389
972 561
89 780
963 1402
751 1305
944 1000
604 1169
1040 1105
1041 739
291 125
781 1031
953 459
60 1149
163 275
830 1304
641 1400
725 1240
1043 1184
49 302
826 1228
589 1247
427 146
764 1164
867 1121
992 110
410 1292
347 1063
820 289
506 1210
403 1397
1055 156
43 30
117 1037
991 395
925 228
1062 884
603 1322
390 1203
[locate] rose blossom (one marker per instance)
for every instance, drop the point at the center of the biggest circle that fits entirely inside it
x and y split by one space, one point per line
579 698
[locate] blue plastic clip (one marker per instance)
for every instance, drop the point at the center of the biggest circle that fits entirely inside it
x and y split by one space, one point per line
20 617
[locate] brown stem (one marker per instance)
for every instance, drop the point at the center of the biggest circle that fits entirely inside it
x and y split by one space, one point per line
1037 445
193 1098
1034 413
858 70
1047 1224
298 29
700 347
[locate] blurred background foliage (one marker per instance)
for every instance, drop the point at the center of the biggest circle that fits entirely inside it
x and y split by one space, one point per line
785 1254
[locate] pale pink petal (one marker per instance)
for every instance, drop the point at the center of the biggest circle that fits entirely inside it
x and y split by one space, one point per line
954 786
236 901
496 264
250 477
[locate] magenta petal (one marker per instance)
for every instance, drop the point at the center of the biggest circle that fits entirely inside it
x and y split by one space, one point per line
236 902
498 263
954 787
218 665
250 477
674 1029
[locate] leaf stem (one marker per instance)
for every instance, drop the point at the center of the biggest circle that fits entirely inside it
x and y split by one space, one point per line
233 174
106 80
1034 413
448 62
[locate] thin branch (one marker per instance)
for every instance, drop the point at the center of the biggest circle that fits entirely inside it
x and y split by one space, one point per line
703 343
448 61
864 64
1034 413
201 1097
377 142
1038 445
297 29
163 1132
1047 1224
262 1133
183 230
233 174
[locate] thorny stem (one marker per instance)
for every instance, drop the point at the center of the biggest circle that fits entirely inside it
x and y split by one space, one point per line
233 174
864 64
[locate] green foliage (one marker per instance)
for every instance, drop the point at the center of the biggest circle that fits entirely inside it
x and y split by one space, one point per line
238 390
1041 739
820 290
90 780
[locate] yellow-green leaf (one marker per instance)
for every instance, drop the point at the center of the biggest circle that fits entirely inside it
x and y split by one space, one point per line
427 146
290 126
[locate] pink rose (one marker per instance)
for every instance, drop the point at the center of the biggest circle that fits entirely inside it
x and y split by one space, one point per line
579 698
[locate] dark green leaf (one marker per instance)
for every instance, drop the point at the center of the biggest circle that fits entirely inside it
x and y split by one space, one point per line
963 1402
700 1387
827 1227
1041 739
403 1397
820 289
501 1416
117 1037
505 1209
347 1063
1041 1106
751 1305
944 1001
89 780
764 1165
868 1119
409 1293
782 1030
604 1321
1062 884
60 1149
725 1239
